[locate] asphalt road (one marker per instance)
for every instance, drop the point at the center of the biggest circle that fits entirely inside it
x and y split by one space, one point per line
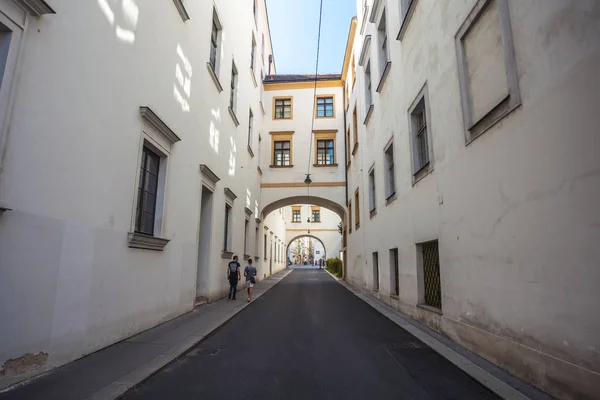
310 338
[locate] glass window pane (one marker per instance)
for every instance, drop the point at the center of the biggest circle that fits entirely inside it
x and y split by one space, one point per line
286 145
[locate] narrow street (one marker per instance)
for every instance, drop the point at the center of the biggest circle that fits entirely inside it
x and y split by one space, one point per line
310 338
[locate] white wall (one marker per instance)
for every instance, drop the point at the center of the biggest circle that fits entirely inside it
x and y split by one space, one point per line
69 283
514 211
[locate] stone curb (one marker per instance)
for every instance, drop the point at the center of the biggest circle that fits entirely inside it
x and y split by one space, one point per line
118 388
497 386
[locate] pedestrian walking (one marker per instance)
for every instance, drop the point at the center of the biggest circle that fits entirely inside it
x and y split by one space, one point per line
233 274
250 274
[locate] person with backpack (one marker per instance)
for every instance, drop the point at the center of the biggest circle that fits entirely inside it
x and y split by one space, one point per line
233 274
250 274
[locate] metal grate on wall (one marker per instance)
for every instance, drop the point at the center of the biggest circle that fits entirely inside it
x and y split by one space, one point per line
431 274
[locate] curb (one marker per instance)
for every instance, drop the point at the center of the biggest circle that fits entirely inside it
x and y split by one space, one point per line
121 386
492 383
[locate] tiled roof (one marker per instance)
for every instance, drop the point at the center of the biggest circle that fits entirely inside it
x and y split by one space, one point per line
301 77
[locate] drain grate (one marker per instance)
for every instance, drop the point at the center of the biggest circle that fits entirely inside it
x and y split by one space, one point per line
408 345
204 352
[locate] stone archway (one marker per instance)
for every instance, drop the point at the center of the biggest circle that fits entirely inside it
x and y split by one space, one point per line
287 251
313 200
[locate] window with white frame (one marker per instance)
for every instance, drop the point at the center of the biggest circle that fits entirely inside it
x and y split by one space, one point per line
407 8
368 86
255 11
420 134
246 231
252 54
390 179
372 199
145 215
215 42
250 127
10 39
383 43
234 86
227 233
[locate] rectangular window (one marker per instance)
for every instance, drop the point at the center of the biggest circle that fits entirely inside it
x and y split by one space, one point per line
390 187
316 215
282 108
406 10
256 244
372 199
368 86
250 127
262 50
325 152
420 135
348 152
252 53
349 217
246 226
227 230
296 216
394 273
376 271
265 247
430 270
281 154
255 11
147 192
234 84
356 210
215 42
383 43
355 127
325 107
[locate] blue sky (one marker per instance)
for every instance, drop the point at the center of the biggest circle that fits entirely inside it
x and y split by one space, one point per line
294 26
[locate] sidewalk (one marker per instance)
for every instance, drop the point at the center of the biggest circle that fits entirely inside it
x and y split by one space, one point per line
110 372
502 383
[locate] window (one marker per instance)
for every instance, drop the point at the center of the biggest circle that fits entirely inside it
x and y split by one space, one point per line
281 145
375 271
428 261
180 4
227 230
349 217
348 153
234 84
250 127
355 128
390 180
147 192
215 42
282 154
255 11
256 244
383 50
394 273
265 247
246 226
282 108
368 88
316 214
325 152
356 210
296 215
325 107
325 148
252 54
420 135
262 50
372 199
407 8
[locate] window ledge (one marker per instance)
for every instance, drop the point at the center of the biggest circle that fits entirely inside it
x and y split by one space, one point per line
406 20
281 166
36 7
233 116
395 296
250 151
324 165
430 308
373 213
356 227
422 173
390 199
383 79
247 257
226 254
256 258
214 77
182 11
253 77
326 117
141 241
4 209
355 148
369 113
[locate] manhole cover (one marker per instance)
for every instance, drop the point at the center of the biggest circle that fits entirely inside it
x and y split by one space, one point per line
204 352
408 345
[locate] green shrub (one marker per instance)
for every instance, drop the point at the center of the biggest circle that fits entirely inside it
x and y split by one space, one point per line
334 265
